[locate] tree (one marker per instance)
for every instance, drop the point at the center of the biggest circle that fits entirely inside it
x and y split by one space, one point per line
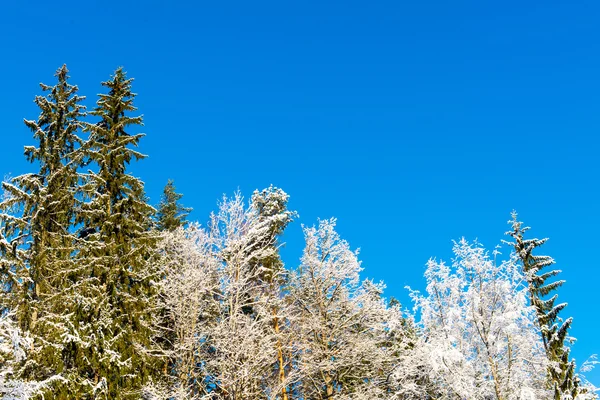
479 336
38 215
410 374
115 248
222 316
171 215
563 378
189 293
341 327
272 217
245 346
14 348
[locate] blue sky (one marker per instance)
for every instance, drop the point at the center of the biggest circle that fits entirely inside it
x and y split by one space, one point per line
413 123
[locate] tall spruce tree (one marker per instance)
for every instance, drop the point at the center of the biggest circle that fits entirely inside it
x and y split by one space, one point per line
245 350
273 217
542 294
116 246
38 215
171 214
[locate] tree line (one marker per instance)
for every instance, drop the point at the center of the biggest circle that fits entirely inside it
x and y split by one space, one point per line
106 297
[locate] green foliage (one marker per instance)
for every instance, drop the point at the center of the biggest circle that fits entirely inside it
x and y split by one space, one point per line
171 215
273 217
554 330
38 213
115 250
97 297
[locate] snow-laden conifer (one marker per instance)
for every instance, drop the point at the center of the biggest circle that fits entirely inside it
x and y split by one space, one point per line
245 355
563 378
115 249
223 318
15 346
38 214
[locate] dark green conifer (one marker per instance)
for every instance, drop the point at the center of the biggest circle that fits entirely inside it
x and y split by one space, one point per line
38 216
171 214
116 246
554 331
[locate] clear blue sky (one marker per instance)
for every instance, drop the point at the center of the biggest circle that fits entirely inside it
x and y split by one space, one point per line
414 123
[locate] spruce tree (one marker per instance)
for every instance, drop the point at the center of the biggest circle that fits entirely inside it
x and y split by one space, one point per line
273 217
542 294
251 333
38 214
116 246
171 215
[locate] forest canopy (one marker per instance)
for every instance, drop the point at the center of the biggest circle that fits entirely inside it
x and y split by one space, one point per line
106 296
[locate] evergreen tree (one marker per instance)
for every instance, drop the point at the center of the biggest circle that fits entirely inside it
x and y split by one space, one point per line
116 246
171 215
270 206
38 214
554 331
244 353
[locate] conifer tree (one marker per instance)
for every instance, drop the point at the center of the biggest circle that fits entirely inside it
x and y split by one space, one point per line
273 217
245 349
171 215
116 245
542 294
37 237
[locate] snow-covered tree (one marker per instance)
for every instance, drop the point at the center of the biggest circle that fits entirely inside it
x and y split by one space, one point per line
189 293
243 354
341 339
410 374
14 348
114 299
565 382
478 331
101 297
269 208
38 215
222 317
